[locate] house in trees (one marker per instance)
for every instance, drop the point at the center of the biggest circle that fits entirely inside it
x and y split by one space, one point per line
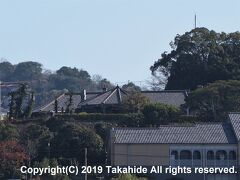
61 103
198 145
109 101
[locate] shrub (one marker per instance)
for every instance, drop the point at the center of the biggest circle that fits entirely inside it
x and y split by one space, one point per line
155 114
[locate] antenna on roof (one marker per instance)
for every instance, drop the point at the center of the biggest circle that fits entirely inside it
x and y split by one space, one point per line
195 21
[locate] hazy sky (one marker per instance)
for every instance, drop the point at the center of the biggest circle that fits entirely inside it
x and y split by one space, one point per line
118 39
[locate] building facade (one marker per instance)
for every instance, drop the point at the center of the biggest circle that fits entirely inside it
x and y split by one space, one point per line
198 145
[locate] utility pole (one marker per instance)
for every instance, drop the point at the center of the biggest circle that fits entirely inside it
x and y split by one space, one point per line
195 21
86 163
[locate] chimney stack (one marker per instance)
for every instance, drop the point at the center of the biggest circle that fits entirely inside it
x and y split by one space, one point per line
83 95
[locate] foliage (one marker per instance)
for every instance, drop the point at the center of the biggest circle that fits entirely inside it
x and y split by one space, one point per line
101 83
56 106
18 108
102 130
8 132
214 101
69 108
12 156
27 71
200 57
29 108
48 85
36 138
155 114
72 139
131 87
6 69
52 163
134 101
132 119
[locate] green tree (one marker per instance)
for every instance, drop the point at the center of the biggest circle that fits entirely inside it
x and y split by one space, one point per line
72 79
52 163
131 87
56 106
6 70
12 156
69 108
101 83
134 102
29 108
21 93
36 138
12 105
27 71
156 114
21 102
213 102
8 132
200 57
72 139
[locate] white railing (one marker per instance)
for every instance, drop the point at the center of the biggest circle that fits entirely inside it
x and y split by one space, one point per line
210 163
232 163
199 163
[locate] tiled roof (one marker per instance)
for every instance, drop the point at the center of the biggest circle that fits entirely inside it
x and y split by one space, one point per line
208 133
235 121
63 100
113 96
176 98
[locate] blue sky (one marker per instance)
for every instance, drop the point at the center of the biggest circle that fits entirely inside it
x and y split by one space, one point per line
118 39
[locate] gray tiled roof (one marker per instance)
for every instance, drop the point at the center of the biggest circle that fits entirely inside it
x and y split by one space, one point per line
176 98
113 96
208 133
235 121
63 100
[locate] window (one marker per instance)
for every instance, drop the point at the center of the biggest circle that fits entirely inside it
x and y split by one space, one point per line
221 155
232 155
210 155
185 155
196 155
174 155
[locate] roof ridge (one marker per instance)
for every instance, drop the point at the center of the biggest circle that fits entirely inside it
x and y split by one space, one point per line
91 98
233 113
156 128
165 91
53 101
113 90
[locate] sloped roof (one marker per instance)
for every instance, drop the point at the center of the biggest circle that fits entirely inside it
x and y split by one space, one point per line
62 101
207 133
170 97
113 96
235 121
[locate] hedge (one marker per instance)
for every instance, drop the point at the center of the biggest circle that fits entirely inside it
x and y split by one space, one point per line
133 119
